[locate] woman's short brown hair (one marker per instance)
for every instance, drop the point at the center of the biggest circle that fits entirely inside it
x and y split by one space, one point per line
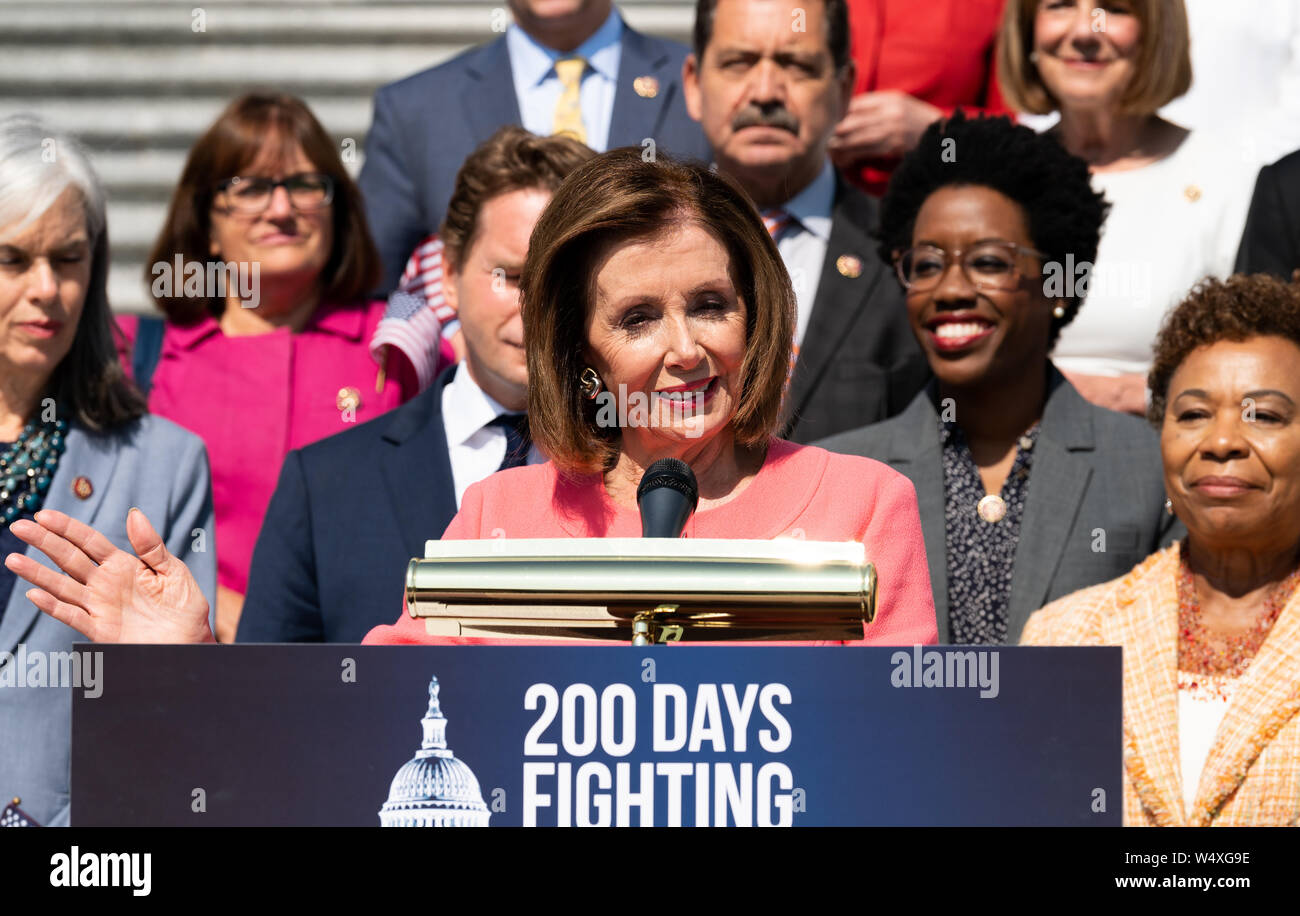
1164 64
1238 308
251 127
512 159
619 197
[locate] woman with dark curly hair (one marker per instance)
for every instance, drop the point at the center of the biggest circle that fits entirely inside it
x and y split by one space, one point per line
1027 492
1211 627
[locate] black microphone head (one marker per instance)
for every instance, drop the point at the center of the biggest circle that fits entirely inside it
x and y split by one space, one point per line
674 474
667 495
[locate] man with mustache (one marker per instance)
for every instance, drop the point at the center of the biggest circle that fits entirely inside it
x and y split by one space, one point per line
768 80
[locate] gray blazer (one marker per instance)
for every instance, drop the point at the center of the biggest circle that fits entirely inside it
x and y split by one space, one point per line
150 463
1095 471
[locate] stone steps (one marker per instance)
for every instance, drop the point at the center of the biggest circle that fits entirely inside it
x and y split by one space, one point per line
139 80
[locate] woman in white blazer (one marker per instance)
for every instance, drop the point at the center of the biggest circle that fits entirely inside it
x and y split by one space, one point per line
74 437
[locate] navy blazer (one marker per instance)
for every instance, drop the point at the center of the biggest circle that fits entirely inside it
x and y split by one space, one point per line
151 463
347 515
1094 510
425 126
860 362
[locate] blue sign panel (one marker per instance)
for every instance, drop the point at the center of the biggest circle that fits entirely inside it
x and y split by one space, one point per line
506 736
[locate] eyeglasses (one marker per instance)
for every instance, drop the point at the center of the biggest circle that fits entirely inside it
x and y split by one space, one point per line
252 193
988 265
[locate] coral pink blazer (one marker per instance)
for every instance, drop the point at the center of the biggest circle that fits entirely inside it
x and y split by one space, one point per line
800 491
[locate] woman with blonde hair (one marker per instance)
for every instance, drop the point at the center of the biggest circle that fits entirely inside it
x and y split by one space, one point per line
1178 198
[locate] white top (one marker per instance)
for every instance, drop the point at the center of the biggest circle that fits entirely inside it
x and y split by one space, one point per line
476 450
1245 75
1200 712
803 242
537 86
1171 224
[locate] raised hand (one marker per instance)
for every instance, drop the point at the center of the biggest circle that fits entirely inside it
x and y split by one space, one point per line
108 595
880 124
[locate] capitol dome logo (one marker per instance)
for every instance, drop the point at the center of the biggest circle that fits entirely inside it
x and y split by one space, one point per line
434 789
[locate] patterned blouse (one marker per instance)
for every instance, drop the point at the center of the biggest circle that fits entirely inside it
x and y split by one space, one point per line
981 546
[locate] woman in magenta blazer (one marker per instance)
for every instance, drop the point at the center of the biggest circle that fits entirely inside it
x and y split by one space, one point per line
261 269
658 320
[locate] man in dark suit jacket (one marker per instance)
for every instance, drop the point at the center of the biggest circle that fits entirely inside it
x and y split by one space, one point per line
1094 506
1271 241
362 501
425 125
768 97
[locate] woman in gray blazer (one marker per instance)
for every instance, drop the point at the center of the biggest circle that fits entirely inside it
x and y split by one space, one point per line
1027 492
74 437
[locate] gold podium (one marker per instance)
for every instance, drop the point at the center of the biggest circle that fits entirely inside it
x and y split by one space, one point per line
643 590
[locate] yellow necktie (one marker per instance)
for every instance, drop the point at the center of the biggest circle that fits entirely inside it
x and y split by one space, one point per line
568 109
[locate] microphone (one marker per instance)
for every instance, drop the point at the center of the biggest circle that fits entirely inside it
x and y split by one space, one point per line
667 495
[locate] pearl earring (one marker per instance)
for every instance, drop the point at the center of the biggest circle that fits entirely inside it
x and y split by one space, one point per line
1059 311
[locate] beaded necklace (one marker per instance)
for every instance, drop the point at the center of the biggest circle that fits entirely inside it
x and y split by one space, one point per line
1195 652
27 466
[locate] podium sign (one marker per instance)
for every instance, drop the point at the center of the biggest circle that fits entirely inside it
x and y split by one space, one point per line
590 736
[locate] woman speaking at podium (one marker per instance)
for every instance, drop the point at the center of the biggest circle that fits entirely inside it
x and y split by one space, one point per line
658 322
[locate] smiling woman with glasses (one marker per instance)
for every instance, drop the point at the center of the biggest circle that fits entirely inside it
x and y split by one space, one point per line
262 270
1027 492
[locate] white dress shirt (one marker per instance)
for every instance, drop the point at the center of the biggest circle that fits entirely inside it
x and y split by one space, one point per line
803 242
538 87
475 448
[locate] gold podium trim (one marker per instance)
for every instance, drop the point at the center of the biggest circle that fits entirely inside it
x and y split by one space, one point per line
643 589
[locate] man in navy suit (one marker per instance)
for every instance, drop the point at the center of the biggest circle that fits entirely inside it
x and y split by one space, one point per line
768 81
351 510
627 90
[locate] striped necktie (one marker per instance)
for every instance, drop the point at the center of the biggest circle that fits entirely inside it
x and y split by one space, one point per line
568 108
776 221
518 441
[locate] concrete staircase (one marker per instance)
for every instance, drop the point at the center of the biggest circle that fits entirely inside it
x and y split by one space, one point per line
139 80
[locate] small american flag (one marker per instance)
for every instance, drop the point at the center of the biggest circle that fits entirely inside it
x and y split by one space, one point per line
417 314
13 816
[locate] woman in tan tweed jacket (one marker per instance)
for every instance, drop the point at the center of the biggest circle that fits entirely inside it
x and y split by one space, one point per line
1211 626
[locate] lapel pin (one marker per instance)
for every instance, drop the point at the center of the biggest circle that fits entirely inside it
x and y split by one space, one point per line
1192 193
349 398
849 266
82 488
646 86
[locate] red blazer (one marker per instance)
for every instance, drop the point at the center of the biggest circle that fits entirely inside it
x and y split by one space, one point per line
940 51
